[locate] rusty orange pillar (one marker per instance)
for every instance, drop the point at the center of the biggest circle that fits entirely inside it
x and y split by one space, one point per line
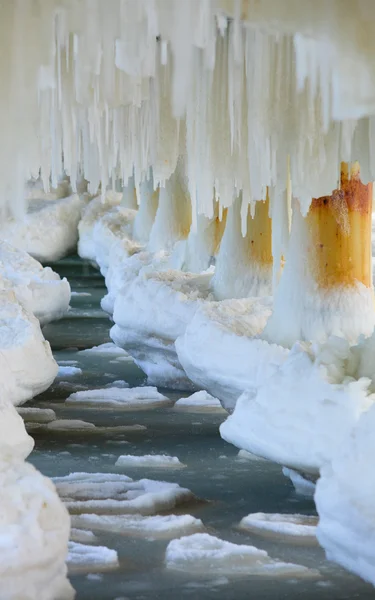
339 246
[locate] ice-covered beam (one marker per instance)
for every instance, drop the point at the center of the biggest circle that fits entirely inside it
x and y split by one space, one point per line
326 288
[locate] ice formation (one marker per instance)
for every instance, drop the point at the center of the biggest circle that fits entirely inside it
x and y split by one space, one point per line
199 402
40 290
151 528
34 529
158 461
88 558
137 398
49 230
285 527
27 366
344 500
107 493
202 553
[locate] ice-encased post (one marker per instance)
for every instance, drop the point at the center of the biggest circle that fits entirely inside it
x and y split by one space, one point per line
326 287
244 263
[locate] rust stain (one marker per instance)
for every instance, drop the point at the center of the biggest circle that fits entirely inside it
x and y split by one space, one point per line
339 251
259 233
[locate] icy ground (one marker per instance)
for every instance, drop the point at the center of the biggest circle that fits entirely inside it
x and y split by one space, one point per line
225 487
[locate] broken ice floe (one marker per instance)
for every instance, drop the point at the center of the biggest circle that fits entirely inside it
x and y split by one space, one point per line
82 557
105 493
201 401
159 461
137 398
282 526
152 527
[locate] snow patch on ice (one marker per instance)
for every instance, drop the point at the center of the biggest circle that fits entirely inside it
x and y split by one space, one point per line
83 558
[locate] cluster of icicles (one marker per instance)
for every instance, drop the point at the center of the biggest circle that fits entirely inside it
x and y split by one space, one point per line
101 89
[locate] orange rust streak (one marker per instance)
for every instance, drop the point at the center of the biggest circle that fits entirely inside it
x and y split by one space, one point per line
259 233
339 250
219 230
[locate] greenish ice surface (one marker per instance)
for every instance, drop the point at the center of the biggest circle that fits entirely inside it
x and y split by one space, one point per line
228 488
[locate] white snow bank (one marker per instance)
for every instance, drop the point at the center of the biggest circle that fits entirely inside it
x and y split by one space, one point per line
199 402
288 418
139 398
37 415
40 290
34 527
49 230
345 501
92 212
105 493
282 526
150 313
66 371
156 527
27 366
83 558
220 352
205 554
114 225
158 461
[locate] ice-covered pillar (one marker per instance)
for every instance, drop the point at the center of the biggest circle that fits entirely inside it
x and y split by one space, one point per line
173 216
129 195
144 220
244 263
326 288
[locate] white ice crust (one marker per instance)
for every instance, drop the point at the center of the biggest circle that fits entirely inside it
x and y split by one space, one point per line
49 230
40 290
344 500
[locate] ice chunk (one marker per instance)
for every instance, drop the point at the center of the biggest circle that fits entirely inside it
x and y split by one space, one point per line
199 402
303 486
82 536
155 527
107 348
302 527
245 455
80 294
82 557
37 415
205 554
139 398
67 424
66 371
104 493
159 461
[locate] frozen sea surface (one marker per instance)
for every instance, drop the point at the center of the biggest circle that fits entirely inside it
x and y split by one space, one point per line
228 488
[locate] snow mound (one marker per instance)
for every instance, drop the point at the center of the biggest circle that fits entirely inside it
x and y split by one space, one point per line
49 230
139 398
150 314
199 402
92 212
288 418
220 352
27 366
205 554
37 415
34 528
107 493
158 461
155 527
82 558
114 225
40 290
301 527
345 501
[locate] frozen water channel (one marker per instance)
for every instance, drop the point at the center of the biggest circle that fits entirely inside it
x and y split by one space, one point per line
225 488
